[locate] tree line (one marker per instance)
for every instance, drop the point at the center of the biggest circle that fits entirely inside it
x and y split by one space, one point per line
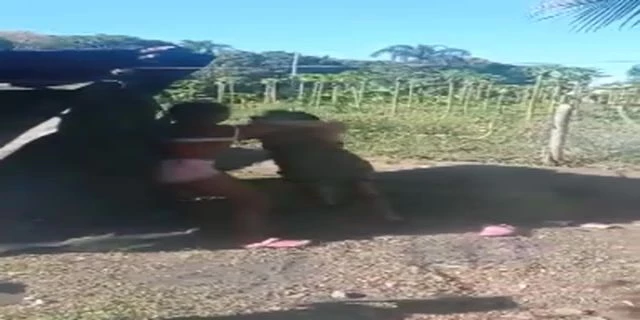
410 70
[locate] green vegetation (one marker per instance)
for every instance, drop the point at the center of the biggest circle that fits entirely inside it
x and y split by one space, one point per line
429 102
422 101
434 105
593 14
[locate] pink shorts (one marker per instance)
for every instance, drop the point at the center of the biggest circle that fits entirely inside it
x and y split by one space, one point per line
186 170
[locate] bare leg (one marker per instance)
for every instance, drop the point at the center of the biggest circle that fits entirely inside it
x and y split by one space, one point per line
250 206
370 196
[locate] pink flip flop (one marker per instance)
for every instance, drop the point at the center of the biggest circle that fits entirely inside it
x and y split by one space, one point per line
278 243
502 230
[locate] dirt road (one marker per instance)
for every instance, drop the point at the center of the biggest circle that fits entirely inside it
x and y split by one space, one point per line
436 267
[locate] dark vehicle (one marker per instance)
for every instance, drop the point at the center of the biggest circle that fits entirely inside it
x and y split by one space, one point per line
108 119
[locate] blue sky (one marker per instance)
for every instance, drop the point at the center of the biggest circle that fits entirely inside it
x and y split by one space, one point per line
498 30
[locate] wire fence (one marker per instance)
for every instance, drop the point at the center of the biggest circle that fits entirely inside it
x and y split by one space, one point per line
461 118
604 134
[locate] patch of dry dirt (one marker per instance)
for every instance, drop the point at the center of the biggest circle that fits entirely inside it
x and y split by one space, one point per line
569 272
437 270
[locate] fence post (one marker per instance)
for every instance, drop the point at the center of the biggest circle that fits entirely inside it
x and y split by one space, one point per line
559 130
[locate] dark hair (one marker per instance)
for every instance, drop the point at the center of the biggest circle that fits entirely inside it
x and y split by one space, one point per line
199 110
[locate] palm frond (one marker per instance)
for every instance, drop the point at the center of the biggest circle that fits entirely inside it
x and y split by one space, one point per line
391 49
591 15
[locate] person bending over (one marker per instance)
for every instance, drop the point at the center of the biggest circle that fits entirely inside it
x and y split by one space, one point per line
193 141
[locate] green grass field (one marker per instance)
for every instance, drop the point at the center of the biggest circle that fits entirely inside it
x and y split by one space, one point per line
598 135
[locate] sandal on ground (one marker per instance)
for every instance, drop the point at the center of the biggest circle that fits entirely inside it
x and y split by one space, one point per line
278 243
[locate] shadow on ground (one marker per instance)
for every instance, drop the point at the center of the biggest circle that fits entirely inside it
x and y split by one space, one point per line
49 206
373 310
11 292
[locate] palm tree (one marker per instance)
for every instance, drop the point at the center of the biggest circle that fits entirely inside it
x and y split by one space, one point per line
424 53
591 15
633 74
436 54
445 55
398 53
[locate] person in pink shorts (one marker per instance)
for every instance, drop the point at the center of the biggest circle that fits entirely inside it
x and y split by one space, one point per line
193 141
